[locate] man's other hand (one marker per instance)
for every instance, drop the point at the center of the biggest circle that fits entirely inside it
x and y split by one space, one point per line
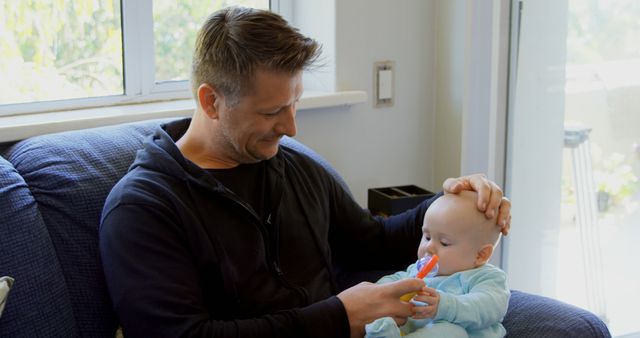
490 197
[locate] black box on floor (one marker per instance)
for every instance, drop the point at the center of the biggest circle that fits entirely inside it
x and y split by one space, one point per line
394 200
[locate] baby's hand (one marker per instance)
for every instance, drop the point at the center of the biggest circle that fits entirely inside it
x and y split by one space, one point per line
429 296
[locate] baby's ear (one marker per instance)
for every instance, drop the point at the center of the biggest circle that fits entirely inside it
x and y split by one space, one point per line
484 254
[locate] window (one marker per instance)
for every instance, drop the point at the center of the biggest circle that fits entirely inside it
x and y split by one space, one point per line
175 24
574 159
65 51
61 54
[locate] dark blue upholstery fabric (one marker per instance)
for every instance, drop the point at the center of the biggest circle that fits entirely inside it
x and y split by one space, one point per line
295 145
531 316
38 304
70 175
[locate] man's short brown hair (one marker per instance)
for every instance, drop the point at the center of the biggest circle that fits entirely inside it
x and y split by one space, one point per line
234 42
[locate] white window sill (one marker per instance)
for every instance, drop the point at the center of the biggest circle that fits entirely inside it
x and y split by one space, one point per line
13 128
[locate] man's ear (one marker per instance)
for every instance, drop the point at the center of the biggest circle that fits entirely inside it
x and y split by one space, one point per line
484 254
209 100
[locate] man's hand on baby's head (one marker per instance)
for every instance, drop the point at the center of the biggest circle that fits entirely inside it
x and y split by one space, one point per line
490 197
431 298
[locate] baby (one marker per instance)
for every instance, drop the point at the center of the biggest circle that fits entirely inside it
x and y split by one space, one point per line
468 297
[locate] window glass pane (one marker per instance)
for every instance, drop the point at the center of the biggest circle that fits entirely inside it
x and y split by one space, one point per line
575 157
175 25
59 49
600 214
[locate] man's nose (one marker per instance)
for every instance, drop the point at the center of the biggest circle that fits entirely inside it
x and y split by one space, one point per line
287 123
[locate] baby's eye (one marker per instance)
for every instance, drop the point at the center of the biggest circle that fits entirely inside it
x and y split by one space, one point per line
445 243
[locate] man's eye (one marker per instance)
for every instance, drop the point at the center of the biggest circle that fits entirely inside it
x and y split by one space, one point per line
274 112
428 238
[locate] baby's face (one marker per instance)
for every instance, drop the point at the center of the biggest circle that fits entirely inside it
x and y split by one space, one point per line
446 236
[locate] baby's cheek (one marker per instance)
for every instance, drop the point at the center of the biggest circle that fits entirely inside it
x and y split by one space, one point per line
443 269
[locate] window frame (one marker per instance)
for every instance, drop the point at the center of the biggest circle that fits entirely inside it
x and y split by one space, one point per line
138 58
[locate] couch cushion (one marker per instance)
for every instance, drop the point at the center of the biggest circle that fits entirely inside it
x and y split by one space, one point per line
531 316
70 175
26 254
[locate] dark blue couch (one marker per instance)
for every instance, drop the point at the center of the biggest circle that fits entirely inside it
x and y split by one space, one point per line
52 189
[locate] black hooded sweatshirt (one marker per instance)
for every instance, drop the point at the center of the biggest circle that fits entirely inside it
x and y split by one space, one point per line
184 256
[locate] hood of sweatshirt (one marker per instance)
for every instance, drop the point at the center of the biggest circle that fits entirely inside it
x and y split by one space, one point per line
160 154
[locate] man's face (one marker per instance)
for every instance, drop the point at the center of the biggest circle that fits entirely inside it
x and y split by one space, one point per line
252 129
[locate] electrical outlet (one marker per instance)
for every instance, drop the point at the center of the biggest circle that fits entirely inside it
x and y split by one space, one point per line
383 83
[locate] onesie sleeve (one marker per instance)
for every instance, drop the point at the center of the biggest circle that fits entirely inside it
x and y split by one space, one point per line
485 304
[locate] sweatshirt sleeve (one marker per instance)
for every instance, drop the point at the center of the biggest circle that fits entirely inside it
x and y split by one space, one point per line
485 304
383 243
358 240
158 294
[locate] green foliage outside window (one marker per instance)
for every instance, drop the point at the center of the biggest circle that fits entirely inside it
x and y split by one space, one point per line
175 25
64 49
59 49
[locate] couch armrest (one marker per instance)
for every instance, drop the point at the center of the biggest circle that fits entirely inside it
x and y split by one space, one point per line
536 316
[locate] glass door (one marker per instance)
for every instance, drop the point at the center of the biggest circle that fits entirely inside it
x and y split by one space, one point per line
573 158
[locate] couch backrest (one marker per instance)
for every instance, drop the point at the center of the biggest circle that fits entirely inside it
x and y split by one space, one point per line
38 304
301 148
56 186
69 175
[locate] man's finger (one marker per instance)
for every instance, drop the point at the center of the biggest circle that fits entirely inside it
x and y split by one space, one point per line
481 185
494 201
452 185
398 288
504 215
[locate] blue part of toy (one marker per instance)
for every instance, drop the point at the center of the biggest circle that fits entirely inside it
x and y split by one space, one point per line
424 260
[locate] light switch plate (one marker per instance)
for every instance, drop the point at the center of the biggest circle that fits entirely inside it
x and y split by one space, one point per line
383 83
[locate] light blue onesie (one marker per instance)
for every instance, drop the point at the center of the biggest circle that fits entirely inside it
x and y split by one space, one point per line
472 304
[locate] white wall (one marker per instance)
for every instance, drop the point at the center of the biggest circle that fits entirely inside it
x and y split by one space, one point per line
449 72
373 147
420 139
471 83
471 71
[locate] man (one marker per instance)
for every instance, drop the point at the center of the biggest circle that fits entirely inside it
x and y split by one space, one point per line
217 231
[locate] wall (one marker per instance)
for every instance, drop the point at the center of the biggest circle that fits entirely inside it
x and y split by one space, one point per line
449 34
471 85
373 147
